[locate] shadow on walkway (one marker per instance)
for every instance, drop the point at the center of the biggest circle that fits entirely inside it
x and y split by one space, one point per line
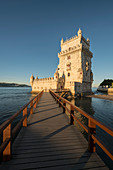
45 119
56 132
46 105
45 110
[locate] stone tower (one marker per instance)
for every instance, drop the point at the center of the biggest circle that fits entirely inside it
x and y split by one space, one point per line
75 64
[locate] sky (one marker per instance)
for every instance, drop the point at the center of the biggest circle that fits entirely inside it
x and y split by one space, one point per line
31 31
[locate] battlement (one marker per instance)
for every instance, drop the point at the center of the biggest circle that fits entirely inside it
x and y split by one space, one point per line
70 39
74 42
70 49
45 79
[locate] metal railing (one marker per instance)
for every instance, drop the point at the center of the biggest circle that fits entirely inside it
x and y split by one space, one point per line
9 133
92 123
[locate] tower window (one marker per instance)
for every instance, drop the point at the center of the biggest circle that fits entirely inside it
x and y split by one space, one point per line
68 57
68 74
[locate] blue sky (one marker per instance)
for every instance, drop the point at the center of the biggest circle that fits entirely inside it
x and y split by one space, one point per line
31 30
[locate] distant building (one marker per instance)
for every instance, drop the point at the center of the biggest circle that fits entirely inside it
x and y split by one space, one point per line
74 69
106 86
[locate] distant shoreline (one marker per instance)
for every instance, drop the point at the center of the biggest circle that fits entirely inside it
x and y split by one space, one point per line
13 85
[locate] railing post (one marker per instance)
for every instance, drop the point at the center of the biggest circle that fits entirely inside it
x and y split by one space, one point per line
31 107
91 130
35 103
64 104
56 99
59 103
37 100
7 153
71 117
25 120
54 96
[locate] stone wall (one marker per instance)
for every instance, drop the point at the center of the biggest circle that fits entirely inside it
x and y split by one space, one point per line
44 84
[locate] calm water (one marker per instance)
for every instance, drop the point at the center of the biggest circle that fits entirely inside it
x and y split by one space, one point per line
12 99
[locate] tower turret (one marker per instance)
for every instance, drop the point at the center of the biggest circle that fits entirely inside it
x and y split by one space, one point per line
62 41
36 78
79 33
31 79
56 75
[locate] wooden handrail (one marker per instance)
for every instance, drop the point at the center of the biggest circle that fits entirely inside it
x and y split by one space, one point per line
9 133
92 123
12 118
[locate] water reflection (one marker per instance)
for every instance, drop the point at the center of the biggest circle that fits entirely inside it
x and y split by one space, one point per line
85 103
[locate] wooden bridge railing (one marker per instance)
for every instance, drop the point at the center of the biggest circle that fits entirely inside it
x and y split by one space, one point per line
9 133
92 123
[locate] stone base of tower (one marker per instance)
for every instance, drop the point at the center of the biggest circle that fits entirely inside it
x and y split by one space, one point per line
80 89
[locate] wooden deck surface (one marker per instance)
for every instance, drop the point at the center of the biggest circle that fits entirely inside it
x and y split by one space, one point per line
50 143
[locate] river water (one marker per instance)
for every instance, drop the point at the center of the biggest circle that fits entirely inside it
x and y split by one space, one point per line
12 99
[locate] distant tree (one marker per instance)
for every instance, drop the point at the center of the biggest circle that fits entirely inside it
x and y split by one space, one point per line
108 82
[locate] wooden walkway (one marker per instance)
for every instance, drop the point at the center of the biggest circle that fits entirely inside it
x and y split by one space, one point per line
50 143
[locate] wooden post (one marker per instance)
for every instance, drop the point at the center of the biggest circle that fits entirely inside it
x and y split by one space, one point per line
59 102
71 117
35 103
25 120
37 100
56 99
7 153
64 104
91 130
31 106
53 96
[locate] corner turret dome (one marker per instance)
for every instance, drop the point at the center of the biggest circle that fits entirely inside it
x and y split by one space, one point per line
31 79
36 78
79 32
62 41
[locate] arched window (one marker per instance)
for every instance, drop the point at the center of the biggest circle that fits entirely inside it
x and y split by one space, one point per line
68 74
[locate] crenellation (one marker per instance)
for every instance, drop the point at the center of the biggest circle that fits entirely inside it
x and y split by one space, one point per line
70 39
70 49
